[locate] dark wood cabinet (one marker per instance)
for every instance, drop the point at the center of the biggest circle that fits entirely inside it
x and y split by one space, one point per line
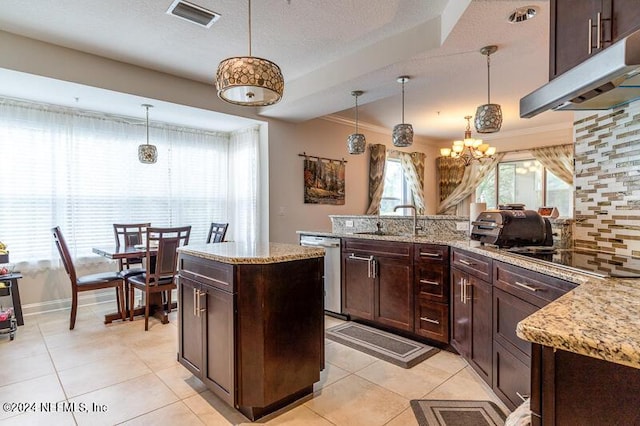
471 313
431 286
580 29
377 281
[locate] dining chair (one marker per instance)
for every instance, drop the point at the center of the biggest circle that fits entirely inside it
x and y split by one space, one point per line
86 282
129 235
160 274
217 231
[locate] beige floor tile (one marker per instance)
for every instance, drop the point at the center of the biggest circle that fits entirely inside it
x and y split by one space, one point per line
465 385
347 358
296 416
44 389
411 383
125 401
102 373
330 374
23 346
355 401
445 361
212 411
40 418
176 414
18 368
332 321
158 356
92 351
83 333
181 381
406 418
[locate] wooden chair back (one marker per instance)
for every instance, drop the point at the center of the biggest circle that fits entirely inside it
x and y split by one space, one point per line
217 232
63 249
129 235
167 240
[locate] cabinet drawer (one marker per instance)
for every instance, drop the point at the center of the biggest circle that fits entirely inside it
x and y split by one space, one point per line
508 311
206 272
378 248
432 320
511 376
474 264
431 253
535 288
432 281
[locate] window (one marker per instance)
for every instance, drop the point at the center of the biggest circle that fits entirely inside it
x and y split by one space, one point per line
525 182
396 191
80 171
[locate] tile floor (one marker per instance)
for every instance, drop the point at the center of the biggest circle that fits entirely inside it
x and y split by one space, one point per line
120 374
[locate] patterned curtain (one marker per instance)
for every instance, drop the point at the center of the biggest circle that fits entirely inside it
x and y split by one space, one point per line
557 159
377 161
413 167
450 172
473 175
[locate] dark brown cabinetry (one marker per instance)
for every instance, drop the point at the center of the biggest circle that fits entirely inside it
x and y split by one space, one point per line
471 302
431 286
236 333
377 279
580 29
517 294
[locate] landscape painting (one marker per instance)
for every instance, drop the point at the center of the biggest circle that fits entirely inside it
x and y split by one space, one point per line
323 181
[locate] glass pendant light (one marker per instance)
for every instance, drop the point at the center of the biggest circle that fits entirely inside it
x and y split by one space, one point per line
147 154
356 142
248 80
488 116
402 133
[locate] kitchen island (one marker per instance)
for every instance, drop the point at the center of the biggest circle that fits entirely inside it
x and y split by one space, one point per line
251 322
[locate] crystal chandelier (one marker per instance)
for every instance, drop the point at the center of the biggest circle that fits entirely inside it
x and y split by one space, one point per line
488 116
356 142
147 154
469 149
248 80
402 133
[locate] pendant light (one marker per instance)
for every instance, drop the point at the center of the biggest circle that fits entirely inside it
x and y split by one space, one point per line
402 133
488 116
248 80
147 154
356 142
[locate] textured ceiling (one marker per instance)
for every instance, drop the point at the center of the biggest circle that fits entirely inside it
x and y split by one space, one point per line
326 49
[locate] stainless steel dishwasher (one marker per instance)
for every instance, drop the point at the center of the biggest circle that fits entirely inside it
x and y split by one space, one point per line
332 291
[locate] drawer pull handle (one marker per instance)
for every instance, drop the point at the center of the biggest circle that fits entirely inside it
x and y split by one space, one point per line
432 321
522 397
429 282
527 286
429 254
590 35
464 262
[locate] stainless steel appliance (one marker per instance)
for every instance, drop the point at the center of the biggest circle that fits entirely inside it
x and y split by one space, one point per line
511 226
332 291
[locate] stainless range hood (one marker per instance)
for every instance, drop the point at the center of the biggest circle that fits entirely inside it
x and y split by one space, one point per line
606 80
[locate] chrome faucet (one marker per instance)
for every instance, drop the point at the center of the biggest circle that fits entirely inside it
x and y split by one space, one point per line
415 219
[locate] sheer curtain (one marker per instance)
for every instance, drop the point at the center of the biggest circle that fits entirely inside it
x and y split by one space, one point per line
80 170
557 159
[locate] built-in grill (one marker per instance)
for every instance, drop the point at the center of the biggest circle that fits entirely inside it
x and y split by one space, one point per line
512 226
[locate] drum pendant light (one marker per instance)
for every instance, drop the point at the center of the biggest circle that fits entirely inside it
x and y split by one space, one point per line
147 154
356 142
248 80
488 116
402 133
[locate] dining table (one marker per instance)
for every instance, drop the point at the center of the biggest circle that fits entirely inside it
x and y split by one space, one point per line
157 306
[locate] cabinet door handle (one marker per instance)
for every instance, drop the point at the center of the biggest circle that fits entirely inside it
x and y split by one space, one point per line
598 30
465 262
364 259
373 264
195 303
527 286
590 35
462 287
522 397
370 271
429 282
432 321
200 308
429 254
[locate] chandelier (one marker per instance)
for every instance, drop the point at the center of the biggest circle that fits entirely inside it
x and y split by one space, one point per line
469 149
356 142
248 80
147 154
488 116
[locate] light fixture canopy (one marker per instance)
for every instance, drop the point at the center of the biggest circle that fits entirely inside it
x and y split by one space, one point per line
249 80
469 149
488 116
147 154
402 133
356 142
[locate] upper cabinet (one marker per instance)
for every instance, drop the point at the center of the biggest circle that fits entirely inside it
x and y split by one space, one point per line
582 28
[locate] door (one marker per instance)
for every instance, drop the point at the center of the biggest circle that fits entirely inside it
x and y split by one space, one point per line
191 351
481 355
394 301
460 313
358 281
218 310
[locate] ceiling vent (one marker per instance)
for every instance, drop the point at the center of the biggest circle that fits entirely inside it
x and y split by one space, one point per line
193 13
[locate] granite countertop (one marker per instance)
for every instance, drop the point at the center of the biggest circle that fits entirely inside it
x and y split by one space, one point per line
600 318
246 253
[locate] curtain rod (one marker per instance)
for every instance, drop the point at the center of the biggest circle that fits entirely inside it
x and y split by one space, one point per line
305 155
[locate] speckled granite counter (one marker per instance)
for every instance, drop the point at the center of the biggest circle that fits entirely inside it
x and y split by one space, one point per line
600 318
244 253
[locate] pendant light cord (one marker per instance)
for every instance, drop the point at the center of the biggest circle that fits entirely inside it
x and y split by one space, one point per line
356 113
249 27
147 107
488 79
403 102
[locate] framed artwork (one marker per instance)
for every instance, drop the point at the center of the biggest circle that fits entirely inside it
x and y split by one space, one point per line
323 181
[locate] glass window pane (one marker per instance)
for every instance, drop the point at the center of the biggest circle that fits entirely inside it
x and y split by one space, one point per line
486 191
560 195
395 189
520 182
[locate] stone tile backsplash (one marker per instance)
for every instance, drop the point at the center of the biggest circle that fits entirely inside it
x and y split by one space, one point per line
607 180
431 225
